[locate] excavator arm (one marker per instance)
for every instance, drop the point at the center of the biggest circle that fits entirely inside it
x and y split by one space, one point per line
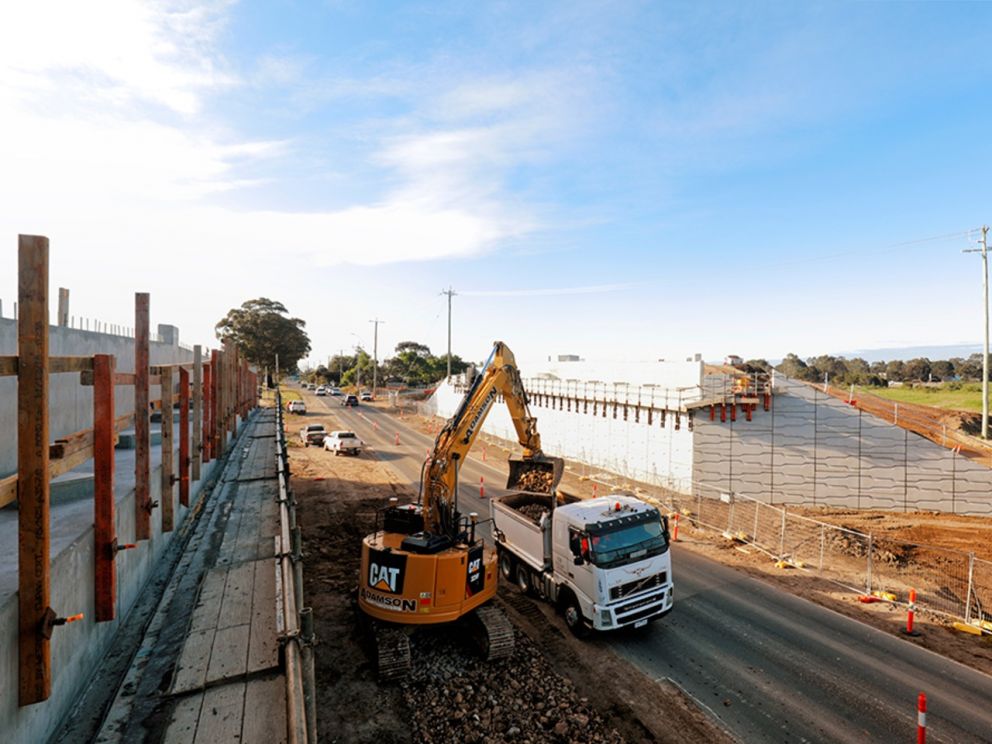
499 377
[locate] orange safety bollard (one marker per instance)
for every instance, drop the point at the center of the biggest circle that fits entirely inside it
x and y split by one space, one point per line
397 438
675 529
595 489
482 487
911 614
921 719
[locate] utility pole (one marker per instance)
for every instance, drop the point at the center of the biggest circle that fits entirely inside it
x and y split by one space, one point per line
451 293
375 355
984 250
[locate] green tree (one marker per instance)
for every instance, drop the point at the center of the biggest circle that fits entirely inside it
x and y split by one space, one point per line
895 370
261 329
917 369
793 366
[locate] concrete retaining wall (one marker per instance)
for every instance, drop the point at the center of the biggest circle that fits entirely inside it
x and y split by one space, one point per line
626 440
78 648
814 449
71 404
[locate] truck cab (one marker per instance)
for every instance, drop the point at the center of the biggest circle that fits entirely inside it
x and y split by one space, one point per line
612 552
605 562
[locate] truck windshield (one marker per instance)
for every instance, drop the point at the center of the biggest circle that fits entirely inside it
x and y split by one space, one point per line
617 547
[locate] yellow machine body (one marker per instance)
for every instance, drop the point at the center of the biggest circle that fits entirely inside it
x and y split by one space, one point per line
399 586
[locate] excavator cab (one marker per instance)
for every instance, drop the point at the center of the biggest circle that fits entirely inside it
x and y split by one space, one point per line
535 474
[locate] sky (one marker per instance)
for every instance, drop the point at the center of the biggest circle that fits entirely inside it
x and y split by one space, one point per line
634 180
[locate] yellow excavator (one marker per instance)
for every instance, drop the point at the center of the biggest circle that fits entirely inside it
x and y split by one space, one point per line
425 564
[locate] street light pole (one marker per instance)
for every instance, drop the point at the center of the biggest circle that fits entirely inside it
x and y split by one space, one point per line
984 250
375 355
451 293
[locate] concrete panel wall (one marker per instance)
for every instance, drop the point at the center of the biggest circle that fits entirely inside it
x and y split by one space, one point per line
814 449
78 648
652 452
71 404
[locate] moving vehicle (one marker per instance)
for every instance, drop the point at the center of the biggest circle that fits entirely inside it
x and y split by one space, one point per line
365 396
335 391
603 562
320 390
424 564
349 400
343 441
313 434
296 406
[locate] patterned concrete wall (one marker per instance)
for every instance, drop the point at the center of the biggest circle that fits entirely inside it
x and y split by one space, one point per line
814 449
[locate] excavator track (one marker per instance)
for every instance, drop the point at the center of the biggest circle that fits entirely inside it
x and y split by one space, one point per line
392 648
495 633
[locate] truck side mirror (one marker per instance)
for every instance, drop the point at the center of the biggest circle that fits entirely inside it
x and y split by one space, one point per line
664 522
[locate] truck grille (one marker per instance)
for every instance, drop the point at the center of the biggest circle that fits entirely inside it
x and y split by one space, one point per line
640 585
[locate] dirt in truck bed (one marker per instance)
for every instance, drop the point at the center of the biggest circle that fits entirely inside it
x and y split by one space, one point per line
553 689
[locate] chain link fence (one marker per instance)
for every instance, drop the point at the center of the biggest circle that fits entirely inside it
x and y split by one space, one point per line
948 582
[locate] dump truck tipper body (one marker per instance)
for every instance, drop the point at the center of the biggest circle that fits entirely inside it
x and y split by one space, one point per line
605 561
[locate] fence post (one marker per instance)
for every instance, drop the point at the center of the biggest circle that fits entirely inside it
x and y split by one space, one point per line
781 549
823 541
197 451
971 580
104 527
757 508
868 568
142 446
166 496
208 408
184 436
33 489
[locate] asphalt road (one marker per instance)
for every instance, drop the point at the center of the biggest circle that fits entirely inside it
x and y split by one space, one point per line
771 667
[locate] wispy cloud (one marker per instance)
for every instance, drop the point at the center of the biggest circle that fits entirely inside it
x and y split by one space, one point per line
551 291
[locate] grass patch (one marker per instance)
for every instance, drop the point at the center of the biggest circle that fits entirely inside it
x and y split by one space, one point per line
287 395
966 397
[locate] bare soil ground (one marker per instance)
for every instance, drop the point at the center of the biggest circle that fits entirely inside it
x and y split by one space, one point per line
554 688
957 532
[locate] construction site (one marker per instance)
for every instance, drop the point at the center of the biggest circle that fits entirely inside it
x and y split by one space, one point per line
191 558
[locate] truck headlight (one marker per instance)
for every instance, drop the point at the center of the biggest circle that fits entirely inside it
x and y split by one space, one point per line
605 617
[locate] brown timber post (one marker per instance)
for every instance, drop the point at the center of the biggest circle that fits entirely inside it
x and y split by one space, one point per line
33 519
142 428
184 436
168 478
104 527
197 412
215 411
208 408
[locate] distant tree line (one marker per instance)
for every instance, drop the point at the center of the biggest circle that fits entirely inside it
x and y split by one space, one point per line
412 364
857 371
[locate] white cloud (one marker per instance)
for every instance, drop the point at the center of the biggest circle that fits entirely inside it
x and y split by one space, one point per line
104 143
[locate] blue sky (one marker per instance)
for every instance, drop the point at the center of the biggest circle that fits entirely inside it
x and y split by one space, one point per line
636 179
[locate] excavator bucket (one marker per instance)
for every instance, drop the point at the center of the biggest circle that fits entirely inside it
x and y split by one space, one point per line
537 475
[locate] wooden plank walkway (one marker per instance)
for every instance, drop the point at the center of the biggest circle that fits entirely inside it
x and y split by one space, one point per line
228 684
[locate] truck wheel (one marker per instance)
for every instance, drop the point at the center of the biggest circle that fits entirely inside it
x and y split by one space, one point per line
306 444
506 565
573 618
523 580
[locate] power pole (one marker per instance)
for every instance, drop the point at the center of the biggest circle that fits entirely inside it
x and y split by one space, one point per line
375 355
451 293
984 250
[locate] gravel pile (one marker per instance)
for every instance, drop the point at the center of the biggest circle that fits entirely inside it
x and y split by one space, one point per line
538 481
533 512
457 697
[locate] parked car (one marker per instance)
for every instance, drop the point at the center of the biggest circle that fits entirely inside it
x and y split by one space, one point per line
321 390
313 434
365 396
343 441
296 406
349 400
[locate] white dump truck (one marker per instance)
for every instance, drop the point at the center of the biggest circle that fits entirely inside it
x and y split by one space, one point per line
604 562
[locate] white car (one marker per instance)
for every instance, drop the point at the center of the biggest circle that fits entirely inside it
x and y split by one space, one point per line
321 390
365 396
296 406
335 391
343 441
